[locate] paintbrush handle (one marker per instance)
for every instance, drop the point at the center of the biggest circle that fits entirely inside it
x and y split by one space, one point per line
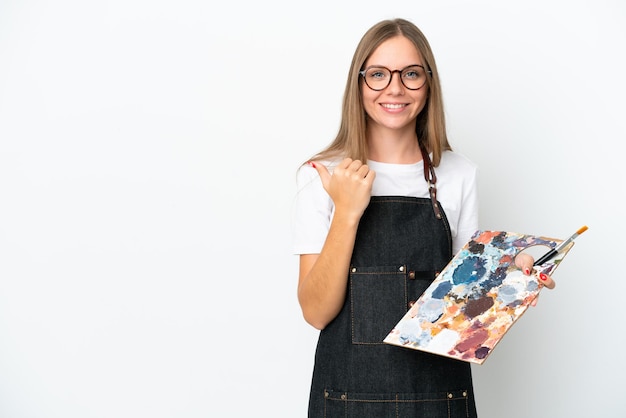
547 256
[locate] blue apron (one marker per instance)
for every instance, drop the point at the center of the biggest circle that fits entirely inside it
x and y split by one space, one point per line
400 247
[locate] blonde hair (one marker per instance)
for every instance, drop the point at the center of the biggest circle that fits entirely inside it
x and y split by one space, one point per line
430 127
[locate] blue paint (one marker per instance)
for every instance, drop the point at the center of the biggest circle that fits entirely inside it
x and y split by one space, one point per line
471 270
432 310
507 294
495 278
442 290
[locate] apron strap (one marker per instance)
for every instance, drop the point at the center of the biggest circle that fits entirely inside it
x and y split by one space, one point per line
431 179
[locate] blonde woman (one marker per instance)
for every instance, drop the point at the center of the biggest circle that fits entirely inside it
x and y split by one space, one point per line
378 213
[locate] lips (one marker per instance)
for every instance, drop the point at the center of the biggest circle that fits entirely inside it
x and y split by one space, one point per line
393 105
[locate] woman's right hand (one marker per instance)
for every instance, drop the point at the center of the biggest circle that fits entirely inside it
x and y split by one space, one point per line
349 186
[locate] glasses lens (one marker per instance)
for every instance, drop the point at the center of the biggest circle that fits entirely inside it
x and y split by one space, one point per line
413 77
377 78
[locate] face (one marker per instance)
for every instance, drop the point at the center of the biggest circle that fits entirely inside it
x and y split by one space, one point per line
395 107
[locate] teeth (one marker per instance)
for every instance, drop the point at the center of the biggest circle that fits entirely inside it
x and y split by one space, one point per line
393 106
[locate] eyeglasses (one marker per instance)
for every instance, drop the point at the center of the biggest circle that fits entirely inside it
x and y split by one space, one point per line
378 78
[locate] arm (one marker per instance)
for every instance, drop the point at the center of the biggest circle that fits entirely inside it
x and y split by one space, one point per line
323 277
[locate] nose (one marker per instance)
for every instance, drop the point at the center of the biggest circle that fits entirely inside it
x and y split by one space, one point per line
395 84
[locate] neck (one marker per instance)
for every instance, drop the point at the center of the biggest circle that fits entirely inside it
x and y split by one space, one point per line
394 147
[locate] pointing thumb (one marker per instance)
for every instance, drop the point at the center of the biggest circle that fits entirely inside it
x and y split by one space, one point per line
322 171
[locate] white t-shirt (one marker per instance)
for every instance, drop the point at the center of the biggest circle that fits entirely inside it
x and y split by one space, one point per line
456 191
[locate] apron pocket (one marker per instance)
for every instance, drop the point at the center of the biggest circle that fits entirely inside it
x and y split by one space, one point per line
378 300
432 405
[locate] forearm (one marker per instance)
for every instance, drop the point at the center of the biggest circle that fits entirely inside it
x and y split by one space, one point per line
323 285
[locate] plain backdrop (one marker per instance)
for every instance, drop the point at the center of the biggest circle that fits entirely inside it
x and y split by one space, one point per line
148 152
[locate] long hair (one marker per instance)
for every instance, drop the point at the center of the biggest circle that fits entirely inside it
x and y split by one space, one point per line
430 127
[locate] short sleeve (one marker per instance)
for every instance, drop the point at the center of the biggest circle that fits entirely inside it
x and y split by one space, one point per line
311 214
468 217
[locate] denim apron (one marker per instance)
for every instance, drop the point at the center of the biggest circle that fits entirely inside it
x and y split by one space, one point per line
400 247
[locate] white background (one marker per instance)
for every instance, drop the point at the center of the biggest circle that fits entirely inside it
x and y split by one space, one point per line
147 170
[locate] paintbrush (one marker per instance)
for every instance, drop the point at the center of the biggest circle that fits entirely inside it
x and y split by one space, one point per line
547 256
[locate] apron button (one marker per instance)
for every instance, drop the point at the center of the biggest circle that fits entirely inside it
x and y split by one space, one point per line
411 275
326 394
343 396
449 396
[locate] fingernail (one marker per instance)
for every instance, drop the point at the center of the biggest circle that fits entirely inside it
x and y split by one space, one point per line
311 163
526 271
543 277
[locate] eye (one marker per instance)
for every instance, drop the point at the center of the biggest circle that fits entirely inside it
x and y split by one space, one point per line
377 74
412 73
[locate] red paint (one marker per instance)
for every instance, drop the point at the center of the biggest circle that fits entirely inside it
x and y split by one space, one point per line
473 341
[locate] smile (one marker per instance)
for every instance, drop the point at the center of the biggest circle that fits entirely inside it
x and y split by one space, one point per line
393 106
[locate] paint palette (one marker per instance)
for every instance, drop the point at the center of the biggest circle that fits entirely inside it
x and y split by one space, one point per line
476 298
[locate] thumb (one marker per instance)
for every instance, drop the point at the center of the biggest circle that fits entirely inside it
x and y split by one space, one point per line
322 171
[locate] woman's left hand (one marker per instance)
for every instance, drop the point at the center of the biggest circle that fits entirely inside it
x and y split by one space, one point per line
525 263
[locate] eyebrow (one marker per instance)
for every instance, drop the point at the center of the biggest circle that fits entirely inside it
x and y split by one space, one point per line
384 66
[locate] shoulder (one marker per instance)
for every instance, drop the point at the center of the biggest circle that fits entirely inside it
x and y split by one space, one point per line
306 174
455 158
453 162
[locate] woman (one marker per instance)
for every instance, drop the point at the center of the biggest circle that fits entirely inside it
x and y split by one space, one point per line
379 212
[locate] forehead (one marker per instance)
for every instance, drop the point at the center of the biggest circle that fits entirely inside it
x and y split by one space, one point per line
395 53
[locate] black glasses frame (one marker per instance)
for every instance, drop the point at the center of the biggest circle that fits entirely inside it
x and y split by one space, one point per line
391 73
